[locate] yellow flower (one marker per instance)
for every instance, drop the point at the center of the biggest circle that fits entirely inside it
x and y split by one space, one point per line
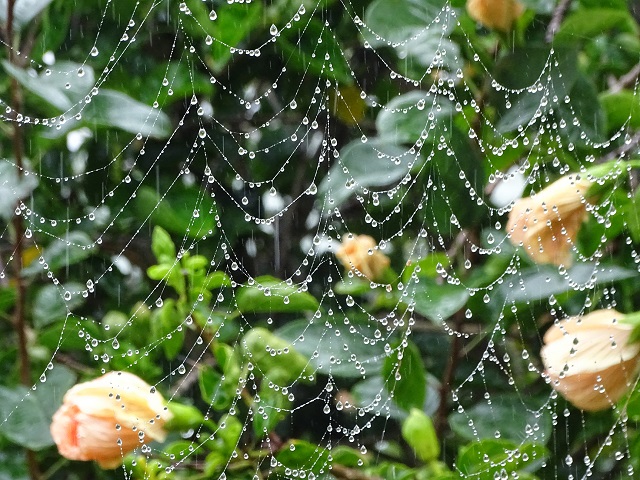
547 224
589 359
495 14
108 417
359 253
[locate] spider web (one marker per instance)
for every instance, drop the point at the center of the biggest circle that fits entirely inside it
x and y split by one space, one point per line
291 150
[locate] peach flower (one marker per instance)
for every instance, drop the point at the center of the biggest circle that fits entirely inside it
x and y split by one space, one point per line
495 14
547 223
108 417
589 359
359 253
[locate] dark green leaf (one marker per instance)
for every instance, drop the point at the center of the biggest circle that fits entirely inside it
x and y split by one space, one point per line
405 377
397 21
376 163
52 87
303 455
406 117
327 351
177 215
63 252
506 414
13 187
587 23
26 422
484 459
105 110
438 301
539 283
49 304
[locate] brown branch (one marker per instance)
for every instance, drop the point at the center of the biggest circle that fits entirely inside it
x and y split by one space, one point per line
448 376
20 323
622 151
627 80
556 20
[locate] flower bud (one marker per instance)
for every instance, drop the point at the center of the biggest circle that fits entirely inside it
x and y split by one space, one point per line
547 223
495 14
108 417
589 359
359 253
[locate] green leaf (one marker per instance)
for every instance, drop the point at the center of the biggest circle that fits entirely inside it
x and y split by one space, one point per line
621 107
438 301
539 283
230 29
49 304
397 21
270 295
216 280
330 356
366 168
13 187
269 409
586 23
418 432
23 11
51 86
62 252
585 107
302 455
8 298
13 466
405 377
70 335
177 214
275 358
506 414
307 50
162 246
26 422
105 110
164 323
407 116
501 455
50 393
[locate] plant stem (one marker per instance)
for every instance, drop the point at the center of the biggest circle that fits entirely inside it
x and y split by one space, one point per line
448 376
19 314
556 20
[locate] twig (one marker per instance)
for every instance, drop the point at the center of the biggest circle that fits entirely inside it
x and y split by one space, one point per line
556 20
20 323
621 151
626 80
449 376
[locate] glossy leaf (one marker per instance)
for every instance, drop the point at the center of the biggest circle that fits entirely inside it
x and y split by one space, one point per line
377 163
50 305
75 247
270 295
405 377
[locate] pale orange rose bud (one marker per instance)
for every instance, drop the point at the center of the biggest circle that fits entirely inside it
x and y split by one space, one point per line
359 253
547 223
108 417
589 359
495 14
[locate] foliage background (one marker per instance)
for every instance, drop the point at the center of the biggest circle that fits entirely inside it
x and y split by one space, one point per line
184 305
